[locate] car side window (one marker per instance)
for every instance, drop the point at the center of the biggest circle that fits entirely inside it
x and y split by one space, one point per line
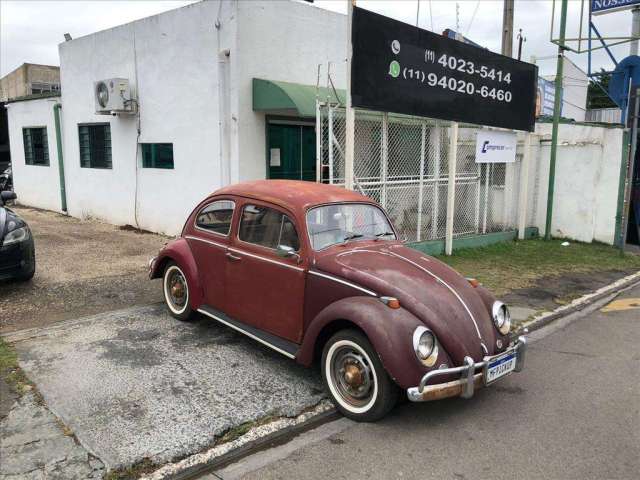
216 217
267 227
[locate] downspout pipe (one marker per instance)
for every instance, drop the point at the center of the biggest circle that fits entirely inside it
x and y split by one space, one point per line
63 193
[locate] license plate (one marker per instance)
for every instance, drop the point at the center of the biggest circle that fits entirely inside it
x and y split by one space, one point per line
500 367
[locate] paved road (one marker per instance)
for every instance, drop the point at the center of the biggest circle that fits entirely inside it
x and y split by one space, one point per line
573 414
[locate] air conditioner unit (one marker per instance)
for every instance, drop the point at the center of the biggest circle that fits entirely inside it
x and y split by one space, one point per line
113 96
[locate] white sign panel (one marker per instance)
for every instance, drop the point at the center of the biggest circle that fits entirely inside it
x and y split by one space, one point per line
496 147
274 157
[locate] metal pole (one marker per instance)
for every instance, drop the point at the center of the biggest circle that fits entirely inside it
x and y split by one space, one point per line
421 185
63 191
524 185
350 120
318 143
451 188
557 105
384 158
507 28
436 138
478 197
487 177
331 137
635 31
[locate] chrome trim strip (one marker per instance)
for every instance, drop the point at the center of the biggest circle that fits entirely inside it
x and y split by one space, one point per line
344 282
286 354
191 237
475 324
282 264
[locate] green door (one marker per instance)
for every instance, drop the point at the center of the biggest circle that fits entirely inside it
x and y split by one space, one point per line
292 151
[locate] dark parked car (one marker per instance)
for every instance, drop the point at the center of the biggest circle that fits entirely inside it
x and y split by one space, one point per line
17 252
317 272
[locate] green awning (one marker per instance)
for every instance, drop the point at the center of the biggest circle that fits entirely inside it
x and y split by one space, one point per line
290 98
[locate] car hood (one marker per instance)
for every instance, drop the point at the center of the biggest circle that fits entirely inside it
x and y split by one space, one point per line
435 293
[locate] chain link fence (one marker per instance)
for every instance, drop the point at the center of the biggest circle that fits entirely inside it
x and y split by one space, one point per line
403 163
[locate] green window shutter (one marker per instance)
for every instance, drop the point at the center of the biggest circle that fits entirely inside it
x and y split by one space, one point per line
95 145
28 152
157 155
36 148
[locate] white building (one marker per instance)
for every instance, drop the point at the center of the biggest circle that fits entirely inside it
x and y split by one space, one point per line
226 91
205 78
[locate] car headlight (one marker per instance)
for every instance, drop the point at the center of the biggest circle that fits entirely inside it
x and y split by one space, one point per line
426 346
501 317
15 236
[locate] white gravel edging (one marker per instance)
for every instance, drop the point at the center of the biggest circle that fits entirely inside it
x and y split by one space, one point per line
209 456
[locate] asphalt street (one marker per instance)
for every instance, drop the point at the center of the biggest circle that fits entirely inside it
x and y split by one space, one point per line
572 414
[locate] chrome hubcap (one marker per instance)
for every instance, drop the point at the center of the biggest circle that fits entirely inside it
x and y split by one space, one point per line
177 289
352 376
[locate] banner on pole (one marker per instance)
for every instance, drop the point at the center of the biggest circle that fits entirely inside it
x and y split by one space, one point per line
399 68
496 147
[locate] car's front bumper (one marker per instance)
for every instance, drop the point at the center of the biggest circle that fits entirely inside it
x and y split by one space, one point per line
472 376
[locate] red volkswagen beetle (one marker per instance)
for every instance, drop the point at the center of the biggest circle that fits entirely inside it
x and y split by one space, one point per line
317 272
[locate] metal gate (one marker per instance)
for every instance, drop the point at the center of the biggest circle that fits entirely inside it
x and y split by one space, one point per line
403 163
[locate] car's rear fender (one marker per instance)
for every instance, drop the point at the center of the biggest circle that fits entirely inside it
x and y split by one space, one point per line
390 331
178 251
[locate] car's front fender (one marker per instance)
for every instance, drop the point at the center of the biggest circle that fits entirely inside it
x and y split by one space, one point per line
390 331
178 251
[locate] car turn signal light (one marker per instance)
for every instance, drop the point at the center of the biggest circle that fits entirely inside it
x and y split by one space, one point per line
391 302
474 283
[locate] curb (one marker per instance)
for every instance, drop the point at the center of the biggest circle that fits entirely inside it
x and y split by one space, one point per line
578 304
257 439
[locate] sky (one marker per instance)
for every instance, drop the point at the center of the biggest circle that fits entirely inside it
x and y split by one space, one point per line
30 31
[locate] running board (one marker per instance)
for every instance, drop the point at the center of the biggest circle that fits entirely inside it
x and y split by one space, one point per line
280 345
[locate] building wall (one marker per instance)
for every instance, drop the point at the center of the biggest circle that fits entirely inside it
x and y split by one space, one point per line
281 40
575 84
171 63
35 185
20 82
586 181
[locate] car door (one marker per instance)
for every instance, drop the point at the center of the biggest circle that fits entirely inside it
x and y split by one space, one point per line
262 289
209 240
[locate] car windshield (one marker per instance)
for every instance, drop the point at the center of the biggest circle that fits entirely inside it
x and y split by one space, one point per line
340 223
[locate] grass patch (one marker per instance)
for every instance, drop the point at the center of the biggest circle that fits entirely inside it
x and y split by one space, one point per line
144 467
502 267
10 371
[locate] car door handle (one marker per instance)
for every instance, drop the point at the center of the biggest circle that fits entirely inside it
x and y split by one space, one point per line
233 257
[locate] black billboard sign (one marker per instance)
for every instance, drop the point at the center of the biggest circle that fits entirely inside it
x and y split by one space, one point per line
399 68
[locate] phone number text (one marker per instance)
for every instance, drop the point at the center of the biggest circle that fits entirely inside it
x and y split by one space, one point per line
456 85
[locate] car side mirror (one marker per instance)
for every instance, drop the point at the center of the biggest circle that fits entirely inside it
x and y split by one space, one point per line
7 195
285 251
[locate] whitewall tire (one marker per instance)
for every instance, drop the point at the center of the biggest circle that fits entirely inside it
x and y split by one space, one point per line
176 292
355 378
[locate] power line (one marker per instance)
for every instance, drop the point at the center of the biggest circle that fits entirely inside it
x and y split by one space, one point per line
475 10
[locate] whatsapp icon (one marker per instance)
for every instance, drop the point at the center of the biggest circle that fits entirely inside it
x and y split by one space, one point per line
394 69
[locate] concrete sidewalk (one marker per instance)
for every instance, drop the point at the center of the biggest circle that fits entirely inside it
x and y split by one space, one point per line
139 385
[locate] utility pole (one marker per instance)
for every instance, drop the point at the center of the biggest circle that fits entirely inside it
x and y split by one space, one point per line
507 28
635 30
557 105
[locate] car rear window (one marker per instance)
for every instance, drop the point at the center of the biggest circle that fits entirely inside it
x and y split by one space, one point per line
267 227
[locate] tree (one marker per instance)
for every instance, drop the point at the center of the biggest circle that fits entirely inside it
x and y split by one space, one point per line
596 97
